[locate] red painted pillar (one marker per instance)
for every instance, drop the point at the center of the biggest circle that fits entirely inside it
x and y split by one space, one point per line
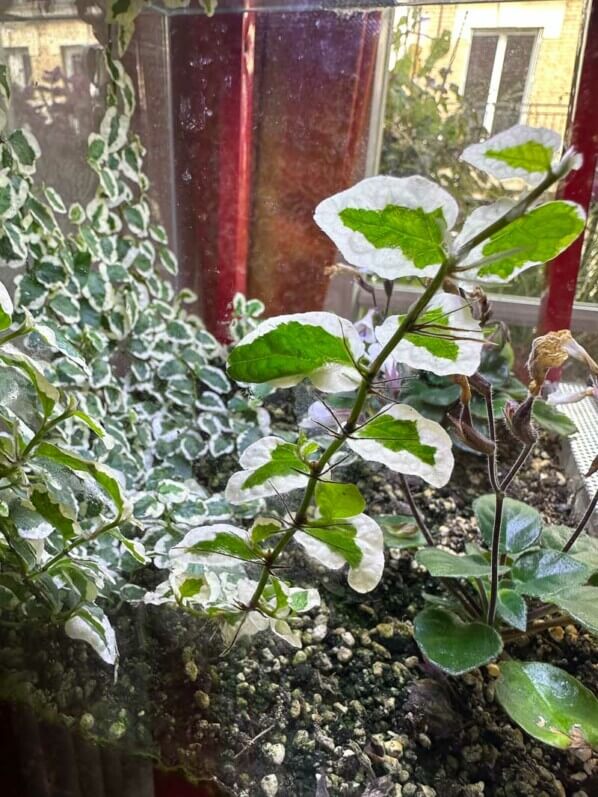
557 303
212 97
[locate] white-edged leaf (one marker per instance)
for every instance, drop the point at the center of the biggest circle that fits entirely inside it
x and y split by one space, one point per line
448 340
286 349
520 152
90 624
356 541
391 226
6 308
270 466
406 442
530 240
218 546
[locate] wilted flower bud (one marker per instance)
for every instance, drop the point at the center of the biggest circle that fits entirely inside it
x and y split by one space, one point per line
467 433
551 351
519 419
480 384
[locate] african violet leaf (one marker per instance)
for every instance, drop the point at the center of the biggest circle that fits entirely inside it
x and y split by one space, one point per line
394 227
552 419
446 564
448 340
581 603
511 608
6 308
452 645
521 524
270 466
338 500
355 541
541 573
530 240
584 549
549 704
524 152
289 348
90 624
406 442
220 545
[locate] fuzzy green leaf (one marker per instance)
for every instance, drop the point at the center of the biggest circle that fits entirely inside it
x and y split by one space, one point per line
444 564
452 645
521 524
549 704
541 573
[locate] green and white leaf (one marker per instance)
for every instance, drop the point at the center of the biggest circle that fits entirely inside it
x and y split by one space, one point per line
390 226
217 546
452 645
25 149
406 442
437 348
270 466
549 704
523 152
289 348
356 541
90 624
530 240
6 308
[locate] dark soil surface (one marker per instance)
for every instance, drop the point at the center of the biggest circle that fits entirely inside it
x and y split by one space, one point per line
354 712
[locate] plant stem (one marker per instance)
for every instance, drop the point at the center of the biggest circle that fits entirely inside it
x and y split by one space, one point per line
448 266
516 466
415 510
499 499
349 427
453 587
582 523
75 544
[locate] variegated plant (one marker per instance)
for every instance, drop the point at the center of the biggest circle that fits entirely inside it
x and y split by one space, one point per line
520 578
114 336
101 279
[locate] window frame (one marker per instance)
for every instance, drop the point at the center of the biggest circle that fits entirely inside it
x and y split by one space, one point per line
502 35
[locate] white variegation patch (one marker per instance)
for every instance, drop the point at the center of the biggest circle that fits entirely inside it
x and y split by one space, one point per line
6 308
514 137
369 539
256 456
92 626
376 193
429 433
460 340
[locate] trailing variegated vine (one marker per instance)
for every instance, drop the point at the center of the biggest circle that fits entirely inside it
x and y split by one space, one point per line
116 338
101 278
521 577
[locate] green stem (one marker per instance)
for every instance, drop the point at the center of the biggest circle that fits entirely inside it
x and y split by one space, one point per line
75 544
349 427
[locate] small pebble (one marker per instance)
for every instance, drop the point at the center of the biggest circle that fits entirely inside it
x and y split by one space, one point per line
269 785
344 655
557 633
275 751
202 699
493 670
319 633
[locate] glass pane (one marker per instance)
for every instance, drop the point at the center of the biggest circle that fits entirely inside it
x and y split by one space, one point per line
479 70
513 80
